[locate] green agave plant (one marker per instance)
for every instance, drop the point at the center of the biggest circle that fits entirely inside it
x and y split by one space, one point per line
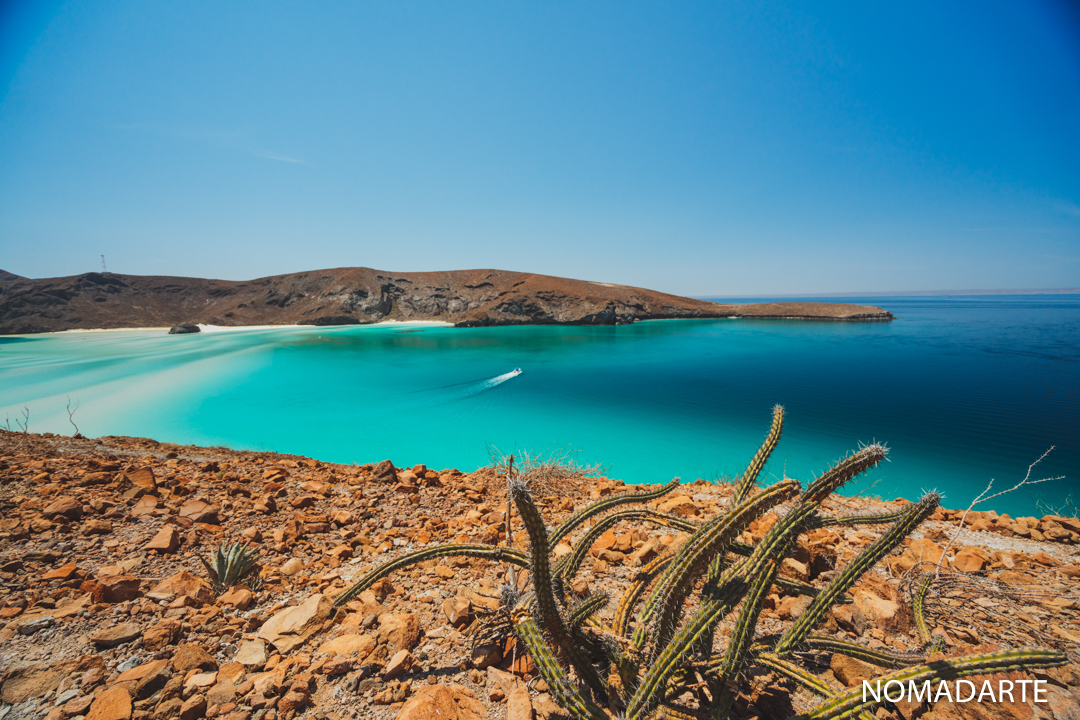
228 566
661 641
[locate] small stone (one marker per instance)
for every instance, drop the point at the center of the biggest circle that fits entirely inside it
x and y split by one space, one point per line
117 635
358 646
96 526
167 540
161 635
200 512
443 702
190 657
239 597
60 573
193 708
292 566
184 583
252 653
398 665
401 631
67 507
293 701
111 704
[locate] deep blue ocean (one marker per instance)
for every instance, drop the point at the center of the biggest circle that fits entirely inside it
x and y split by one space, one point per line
962 389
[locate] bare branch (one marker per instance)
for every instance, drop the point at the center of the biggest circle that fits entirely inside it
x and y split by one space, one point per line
985 497
71 415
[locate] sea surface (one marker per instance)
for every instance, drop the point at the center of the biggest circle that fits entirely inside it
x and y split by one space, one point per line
961 389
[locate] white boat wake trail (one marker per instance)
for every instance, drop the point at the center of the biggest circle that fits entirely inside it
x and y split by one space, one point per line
489 383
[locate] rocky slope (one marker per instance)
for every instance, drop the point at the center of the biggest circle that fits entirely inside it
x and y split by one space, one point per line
105 613
361 295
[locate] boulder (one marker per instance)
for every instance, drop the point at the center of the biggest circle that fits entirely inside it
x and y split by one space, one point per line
292 626
443 702
184 329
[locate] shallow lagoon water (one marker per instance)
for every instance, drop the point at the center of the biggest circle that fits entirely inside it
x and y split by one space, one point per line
961 389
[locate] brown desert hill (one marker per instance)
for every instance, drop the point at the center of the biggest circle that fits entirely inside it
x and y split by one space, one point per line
343 296
5 275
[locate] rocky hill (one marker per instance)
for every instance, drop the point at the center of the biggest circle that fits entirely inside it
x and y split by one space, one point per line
342 296
105 610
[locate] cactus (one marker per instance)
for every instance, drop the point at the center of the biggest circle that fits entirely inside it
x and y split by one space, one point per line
649 654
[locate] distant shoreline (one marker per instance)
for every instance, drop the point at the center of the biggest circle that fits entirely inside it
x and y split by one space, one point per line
365 296
897 294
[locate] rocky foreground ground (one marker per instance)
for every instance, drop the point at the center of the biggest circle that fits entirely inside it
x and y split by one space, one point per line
106 612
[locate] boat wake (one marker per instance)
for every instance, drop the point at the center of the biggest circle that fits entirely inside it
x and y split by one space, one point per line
489 383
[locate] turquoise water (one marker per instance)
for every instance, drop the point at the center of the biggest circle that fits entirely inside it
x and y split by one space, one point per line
961 389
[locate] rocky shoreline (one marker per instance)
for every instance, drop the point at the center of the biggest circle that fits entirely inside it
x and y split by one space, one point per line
357 296
106 612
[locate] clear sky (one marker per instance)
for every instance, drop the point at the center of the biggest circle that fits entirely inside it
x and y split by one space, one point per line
698 148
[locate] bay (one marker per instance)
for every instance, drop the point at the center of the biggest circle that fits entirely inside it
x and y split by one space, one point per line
962 390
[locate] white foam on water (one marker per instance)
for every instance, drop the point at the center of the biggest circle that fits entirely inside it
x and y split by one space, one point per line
490 383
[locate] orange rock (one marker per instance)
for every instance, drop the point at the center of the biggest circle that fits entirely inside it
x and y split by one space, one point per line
167 540
443 702
61 573
184 583
111 704
238 596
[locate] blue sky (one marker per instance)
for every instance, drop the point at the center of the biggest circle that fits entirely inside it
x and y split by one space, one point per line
759 148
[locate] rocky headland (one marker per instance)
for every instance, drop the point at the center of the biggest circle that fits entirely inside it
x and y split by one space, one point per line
106 612
343 296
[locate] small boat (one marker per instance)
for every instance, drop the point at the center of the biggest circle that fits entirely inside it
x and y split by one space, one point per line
516 371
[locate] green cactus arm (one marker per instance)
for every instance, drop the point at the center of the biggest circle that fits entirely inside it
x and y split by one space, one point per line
802 588
843 472
692 559
714 605
757 463
882 658
490 552
766 562
851 701
882 518
569 565
544 596
604 505
918 607
566 694
586 609
797 674
621 621
913 516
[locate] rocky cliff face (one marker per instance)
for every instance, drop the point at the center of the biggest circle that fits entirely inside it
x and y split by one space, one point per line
467 298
